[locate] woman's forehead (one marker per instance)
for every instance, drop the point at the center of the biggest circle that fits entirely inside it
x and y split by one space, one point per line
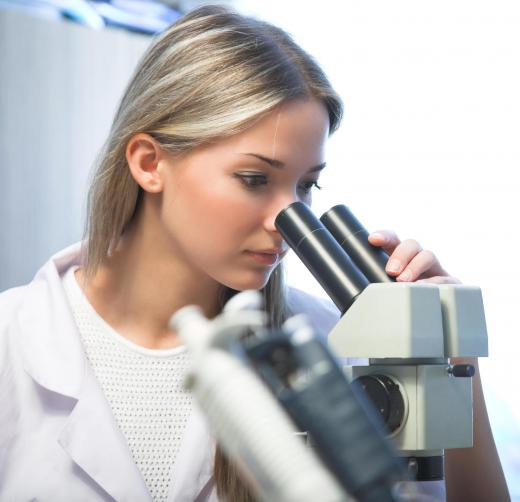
293 134
301 125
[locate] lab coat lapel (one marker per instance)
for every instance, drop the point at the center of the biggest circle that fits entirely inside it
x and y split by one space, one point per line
193 468
49 339
95 443
54 357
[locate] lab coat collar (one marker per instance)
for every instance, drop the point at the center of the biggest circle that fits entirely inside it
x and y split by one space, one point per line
52 353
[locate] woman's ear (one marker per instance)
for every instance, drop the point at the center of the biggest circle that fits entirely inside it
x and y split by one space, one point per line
143 155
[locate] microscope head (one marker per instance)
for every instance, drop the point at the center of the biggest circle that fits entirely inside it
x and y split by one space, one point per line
384 319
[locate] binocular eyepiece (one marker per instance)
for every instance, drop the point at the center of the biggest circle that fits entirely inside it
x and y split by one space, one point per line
336 250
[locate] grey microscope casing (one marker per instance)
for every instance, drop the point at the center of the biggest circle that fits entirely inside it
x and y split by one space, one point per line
408 332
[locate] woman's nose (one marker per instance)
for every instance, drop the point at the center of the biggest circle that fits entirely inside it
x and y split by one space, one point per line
275 210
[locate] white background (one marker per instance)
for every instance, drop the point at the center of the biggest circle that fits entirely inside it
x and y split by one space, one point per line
430 147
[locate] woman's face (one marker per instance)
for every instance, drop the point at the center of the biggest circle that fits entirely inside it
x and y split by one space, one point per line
219 201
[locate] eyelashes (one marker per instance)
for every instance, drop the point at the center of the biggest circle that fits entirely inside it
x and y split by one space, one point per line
254 181
308 185
251 181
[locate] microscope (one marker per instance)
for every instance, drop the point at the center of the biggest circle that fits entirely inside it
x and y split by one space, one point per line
258 385
408 332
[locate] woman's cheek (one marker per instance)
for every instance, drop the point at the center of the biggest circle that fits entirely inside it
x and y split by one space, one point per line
235 206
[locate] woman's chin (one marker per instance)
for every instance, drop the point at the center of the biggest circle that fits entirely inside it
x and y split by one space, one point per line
249 281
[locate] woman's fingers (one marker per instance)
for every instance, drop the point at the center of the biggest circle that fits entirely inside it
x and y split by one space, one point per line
424 264
385 239
401 258
408 262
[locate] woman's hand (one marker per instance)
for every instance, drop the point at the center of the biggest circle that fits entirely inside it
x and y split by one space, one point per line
408 261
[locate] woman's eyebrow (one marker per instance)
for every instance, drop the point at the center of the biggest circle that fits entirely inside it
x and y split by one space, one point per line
278 164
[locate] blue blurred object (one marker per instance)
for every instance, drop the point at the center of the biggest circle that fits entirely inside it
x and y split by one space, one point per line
144 16
137 15
80 11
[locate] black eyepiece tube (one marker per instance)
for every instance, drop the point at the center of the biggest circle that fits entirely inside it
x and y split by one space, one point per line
352 236
321 254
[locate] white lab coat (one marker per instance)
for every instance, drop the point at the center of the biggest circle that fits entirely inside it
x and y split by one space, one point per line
58 438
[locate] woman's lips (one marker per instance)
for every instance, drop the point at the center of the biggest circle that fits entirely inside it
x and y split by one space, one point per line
265 258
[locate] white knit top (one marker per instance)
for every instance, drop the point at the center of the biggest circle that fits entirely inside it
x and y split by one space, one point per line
144 388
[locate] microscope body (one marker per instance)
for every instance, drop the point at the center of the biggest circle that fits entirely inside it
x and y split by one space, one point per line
409 332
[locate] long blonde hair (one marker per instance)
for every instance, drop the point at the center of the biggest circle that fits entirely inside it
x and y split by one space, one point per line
212 74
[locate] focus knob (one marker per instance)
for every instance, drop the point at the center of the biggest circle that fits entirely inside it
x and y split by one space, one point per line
461 370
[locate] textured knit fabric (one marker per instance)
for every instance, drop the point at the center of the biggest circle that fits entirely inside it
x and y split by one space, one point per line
144 388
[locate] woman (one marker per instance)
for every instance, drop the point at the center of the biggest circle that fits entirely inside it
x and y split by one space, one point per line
223 125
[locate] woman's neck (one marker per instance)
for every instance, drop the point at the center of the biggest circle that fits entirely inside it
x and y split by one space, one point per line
139 287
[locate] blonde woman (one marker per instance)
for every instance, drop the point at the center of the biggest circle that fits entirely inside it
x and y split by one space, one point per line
223 125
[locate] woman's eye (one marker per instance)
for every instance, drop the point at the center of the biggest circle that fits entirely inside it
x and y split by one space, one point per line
306 186
255 181
252 181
